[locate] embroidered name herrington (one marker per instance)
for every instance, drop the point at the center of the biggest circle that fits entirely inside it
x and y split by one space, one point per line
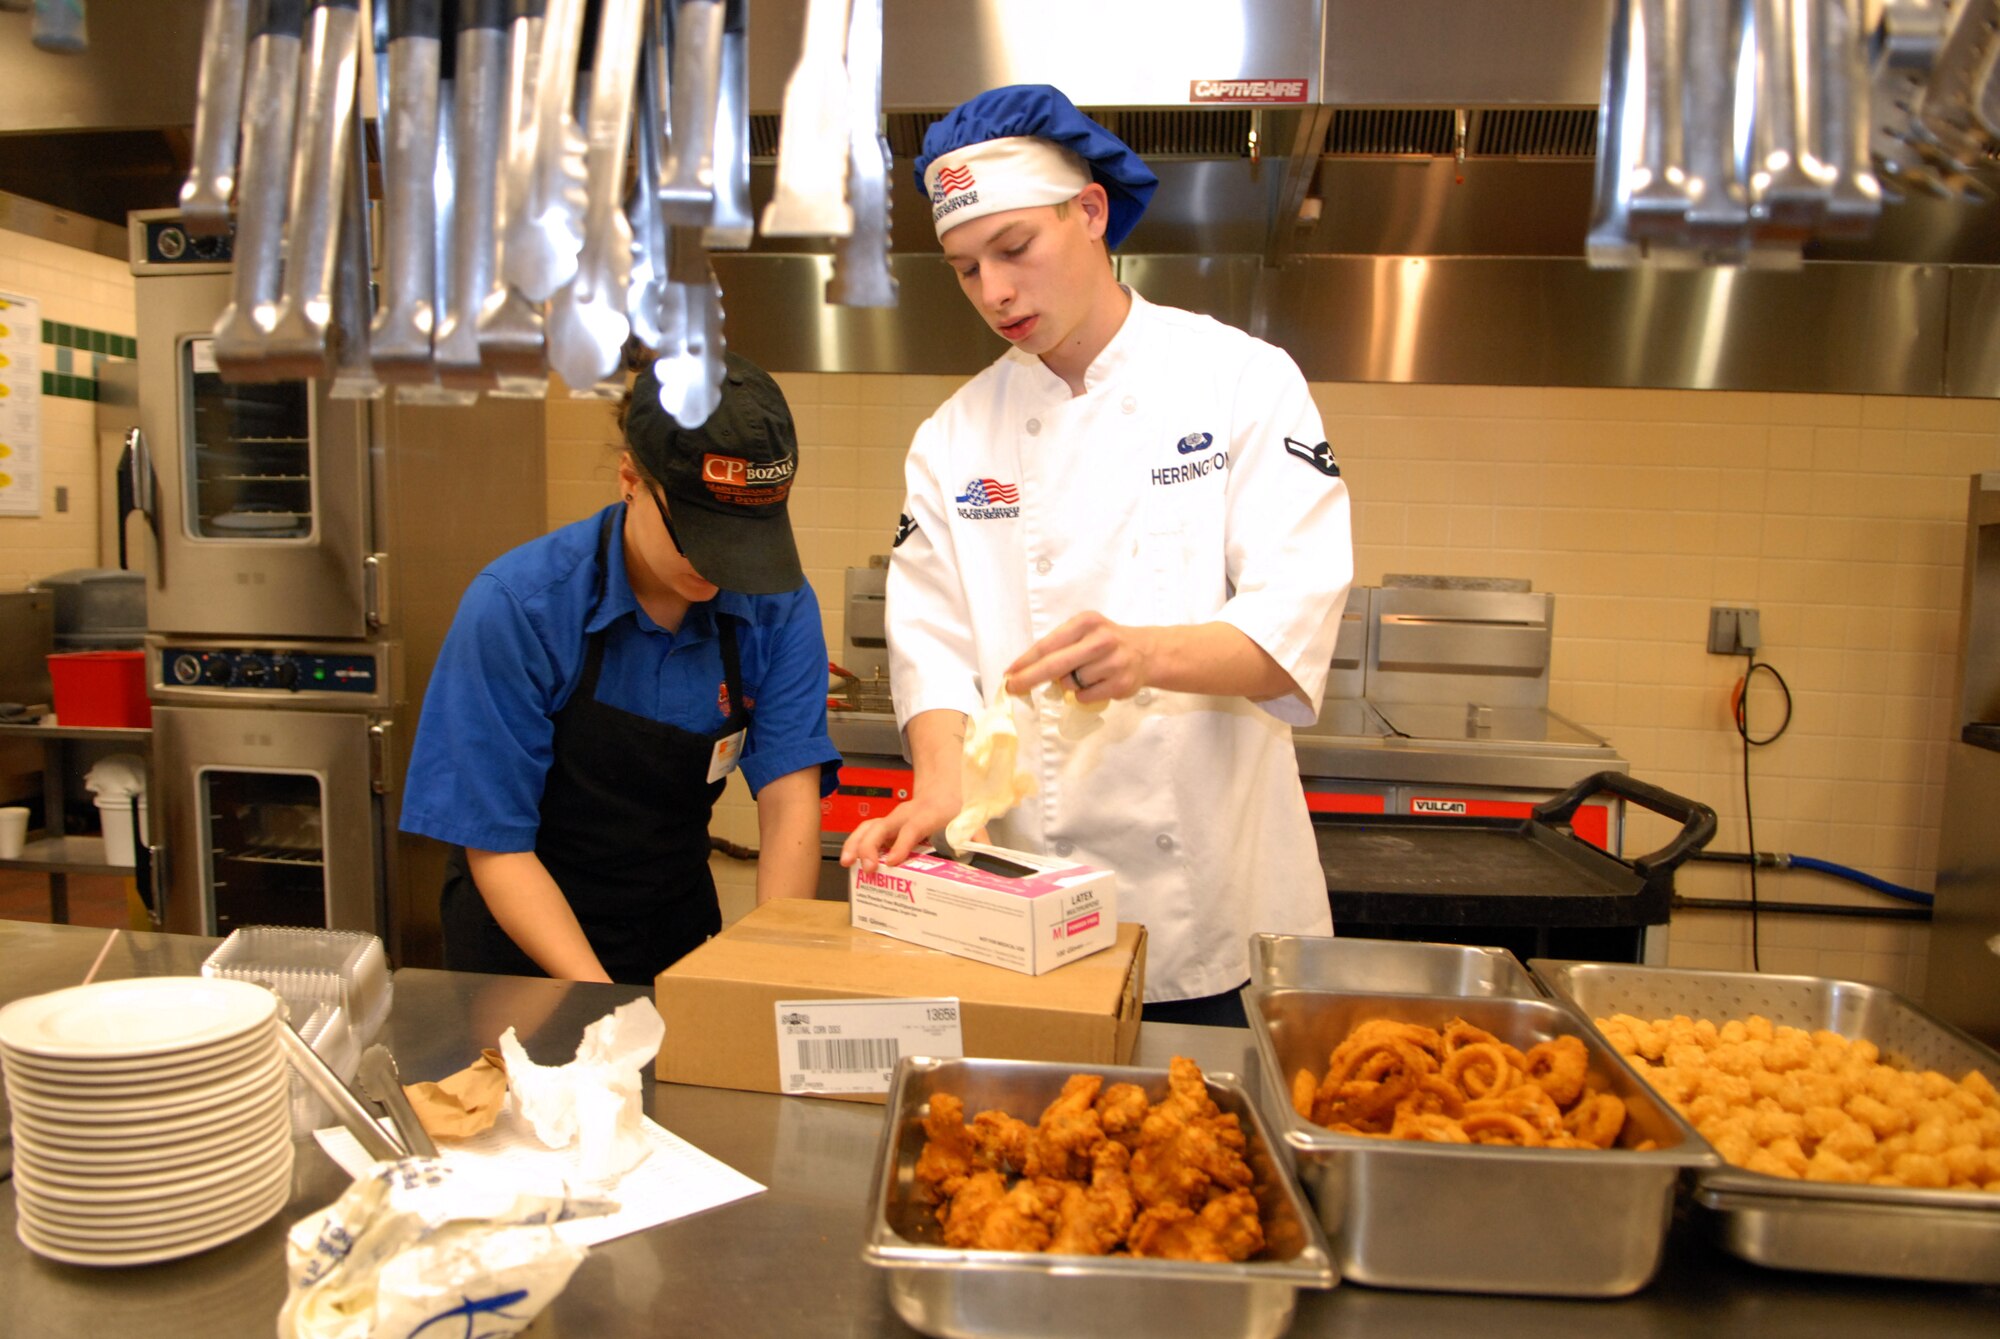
1198 468
988 500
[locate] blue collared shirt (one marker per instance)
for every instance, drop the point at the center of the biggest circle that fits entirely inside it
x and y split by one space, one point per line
516 651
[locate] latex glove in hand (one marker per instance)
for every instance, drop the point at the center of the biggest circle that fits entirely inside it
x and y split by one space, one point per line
991 786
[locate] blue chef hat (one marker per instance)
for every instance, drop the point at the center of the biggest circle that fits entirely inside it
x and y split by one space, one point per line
974 161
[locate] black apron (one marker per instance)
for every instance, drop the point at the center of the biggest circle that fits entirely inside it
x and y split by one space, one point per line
624 831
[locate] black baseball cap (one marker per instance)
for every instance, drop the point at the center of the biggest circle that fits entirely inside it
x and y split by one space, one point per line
728 478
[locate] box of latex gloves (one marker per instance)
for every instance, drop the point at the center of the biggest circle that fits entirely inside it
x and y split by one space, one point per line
1026 912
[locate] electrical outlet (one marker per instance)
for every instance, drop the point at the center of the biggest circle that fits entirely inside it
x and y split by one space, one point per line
1733 630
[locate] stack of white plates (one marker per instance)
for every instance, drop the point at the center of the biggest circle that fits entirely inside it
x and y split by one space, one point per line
151 1117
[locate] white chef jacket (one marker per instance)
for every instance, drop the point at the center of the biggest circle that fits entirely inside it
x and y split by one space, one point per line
1190 482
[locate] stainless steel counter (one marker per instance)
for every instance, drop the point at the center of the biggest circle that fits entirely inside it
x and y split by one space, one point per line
787 1262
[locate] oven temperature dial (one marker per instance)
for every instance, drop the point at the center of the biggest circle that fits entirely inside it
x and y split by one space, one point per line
187 668
285 673
250 671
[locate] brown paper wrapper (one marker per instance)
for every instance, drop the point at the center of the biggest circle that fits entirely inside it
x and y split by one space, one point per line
462 1104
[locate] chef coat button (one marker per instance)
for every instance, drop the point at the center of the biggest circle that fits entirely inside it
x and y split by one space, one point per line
1043 565
1034 426
1164 842
1064 848
1143 696
1130 406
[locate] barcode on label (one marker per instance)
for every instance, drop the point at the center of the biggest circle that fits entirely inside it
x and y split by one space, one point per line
847 1055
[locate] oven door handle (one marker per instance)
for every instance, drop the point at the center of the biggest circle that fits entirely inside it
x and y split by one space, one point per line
151 874
378 757
137 486
375 589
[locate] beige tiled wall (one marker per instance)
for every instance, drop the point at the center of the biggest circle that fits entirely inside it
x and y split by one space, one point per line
1841 518
74 287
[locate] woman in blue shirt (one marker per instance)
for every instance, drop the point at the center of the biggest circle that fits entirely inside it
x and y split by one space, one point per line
599 684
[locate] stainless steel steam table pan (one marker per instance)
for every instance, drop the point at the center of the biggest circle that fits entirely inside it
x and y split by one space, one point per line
1944 1236
1477 1218
944 1291
1318 962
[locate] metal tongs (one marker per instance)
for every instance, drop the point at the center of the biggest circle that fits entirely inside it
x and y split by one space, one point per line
409 1139
384 1086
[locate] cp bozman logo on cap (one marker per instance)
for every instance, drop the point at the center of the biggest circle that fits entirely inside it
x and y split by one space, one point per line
739 473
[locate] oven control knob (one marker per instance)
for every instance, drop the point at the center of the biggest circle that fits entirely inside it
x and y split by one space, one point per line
250 672
285 673
187 668
215 669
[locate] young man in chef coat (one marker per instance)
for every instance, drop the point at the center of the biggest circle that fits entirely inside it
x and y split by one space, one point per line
1135 503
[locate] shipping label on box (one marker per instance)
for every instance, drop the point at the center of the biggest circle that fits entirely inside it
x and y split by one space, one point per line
1024 912
852 1046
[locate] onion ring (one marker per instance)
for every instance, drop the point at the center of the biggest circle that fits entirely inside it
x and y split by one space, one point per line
1599 1118
1433 1097
1500 1127
1479 1069
1558 1067
1304 1089
1428 1127
1527 1101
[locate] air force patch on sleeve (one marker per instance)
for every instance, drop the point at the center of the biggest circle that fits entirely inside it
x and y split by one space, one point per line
1319 457
906 525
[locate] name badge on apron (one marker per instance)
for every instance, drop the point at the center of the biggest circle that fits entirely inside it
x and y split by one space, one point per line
728 749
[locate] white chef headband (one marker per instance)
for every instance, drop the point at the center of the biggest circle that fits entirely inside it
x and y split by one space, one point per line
1015 172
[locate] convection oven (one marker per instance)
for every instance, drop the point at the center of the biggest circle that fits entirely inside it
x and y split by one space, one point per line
304 554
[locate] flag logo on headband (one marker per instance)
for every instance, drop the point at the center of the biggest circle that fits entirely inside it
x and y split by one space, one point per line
954 179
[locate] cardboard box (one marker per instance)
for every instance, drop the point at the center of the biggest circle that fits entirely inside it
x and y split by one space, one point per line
1028 913
719 1002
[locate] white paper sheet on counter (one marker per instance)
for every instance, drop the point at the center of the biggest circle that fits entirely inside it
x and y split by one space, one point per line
675 1180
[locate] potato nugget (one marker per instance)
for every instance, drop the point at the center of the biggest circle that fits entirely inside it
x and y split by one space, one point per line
1786 1102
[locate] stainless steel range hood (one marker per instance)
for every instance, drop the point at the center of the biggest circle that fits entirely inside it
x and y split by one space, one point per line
1417 214
1390 189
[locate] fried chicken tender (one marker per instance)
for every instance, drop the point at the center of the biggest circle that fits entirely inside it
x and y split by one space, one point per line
1179 1160
1092 1219
1095 1164
1187 1091
1121 1109
1225 1229
986 1214
950 1154
1070 1129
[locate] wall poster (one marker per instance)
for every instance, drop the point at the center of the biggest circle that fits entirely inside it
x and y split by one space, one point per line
20 406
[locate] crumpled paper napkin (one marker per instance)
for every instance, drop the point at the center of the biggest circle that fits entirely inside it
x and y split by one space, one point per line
461 1105
593 1101
419 1243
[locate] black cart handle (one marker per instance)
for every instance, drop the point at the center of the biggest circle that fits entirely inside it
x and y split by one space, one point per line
1697 820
